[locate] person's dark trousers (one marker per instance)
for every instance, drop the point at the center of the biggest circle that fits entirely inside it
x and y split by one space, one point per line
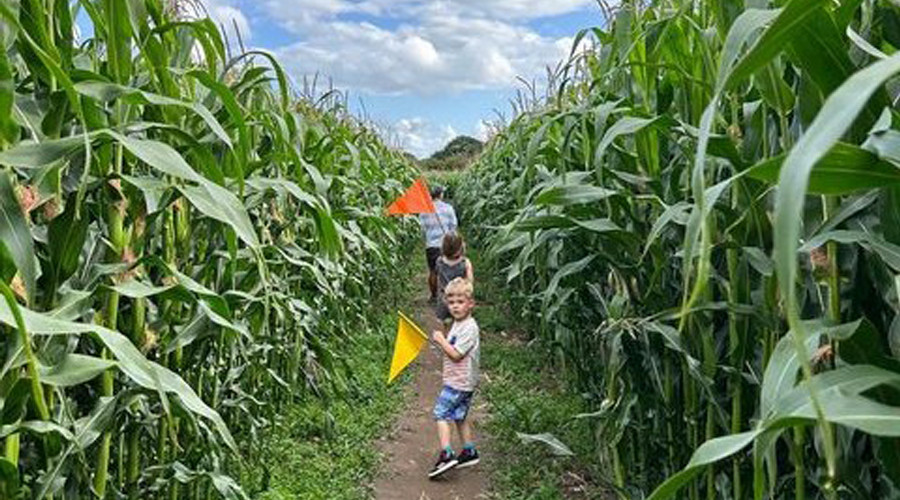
431 256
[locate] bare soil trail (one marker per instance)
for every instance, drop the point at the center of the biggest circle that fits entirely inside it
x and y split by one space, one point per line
410 449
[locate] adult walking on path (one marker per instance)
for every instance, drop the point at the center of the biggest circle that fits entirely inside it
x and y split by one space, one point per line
435 226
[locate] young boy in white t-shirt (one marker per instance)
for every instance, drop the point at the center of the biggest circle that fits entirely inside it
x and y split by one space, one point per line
461 347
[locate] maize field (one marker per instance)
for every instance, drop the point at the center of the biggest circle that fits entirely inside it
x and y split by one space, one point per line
188 245
700 212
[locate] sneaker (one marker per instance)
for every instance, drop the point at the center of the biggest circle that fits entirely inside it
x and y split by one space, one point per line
446 461
468 458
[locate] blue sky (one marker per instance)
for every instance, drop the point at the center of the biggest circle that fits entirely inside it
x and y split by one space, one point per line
425 70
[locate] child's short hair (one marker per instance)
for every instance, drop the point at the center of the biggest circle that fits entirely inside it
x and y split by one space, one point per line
452 244
459 286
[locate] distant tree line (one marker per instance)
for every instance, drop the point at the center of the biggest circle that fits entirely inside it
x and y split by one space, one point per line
457 154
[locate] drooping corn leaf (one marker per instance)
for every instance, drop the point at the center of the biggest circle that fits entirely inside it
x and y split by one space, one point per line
15 235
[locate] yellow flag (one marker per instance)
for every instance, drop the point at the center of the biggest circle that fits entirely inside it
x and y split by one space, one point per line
410 339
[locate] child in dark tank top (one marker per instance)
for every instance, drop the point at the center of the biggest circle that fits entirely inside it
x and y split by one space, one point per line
451 264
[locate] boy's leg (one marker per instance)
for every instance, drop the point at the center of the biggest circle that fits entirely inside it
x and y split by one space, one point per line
444 432
446 459
469 455
442 416
462 420
465 432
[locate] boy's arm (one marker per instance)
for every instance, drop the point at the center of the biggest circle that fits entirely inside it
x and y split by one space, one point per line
445 346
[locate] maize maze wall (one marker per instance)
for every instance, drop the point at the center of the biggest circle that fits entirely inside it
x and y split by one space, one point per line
701 214
187 247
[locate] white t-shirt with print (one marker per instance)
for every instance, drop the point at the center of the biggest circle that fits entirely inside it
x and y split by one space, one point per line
462 375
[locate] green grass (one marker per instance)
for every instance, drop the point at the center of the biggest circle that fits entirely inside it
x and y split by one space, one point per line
527 395
319 450
326 450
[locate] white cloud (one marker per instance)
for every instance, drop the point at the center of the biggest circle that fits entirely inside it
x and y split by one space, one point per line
421 137
422 51
483 131
439 54
424 47
298 15
496 9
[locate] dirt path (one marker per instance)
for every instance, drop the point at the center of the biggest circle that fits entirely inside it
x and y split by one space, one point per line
411 448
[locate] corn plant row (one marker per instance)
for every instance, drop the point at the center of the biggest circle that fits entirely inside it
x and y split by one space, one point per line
186 248
702 217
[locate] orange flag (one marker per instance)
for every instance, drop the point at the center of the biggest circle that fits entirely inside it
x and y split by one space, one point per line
416 200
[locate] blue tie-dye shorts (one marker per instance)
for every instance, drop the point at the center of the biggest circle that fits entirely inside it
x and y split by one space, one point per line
452 404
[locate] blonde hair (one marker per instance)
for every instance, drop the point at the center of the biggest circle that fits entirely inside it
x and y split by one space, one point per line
459 286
